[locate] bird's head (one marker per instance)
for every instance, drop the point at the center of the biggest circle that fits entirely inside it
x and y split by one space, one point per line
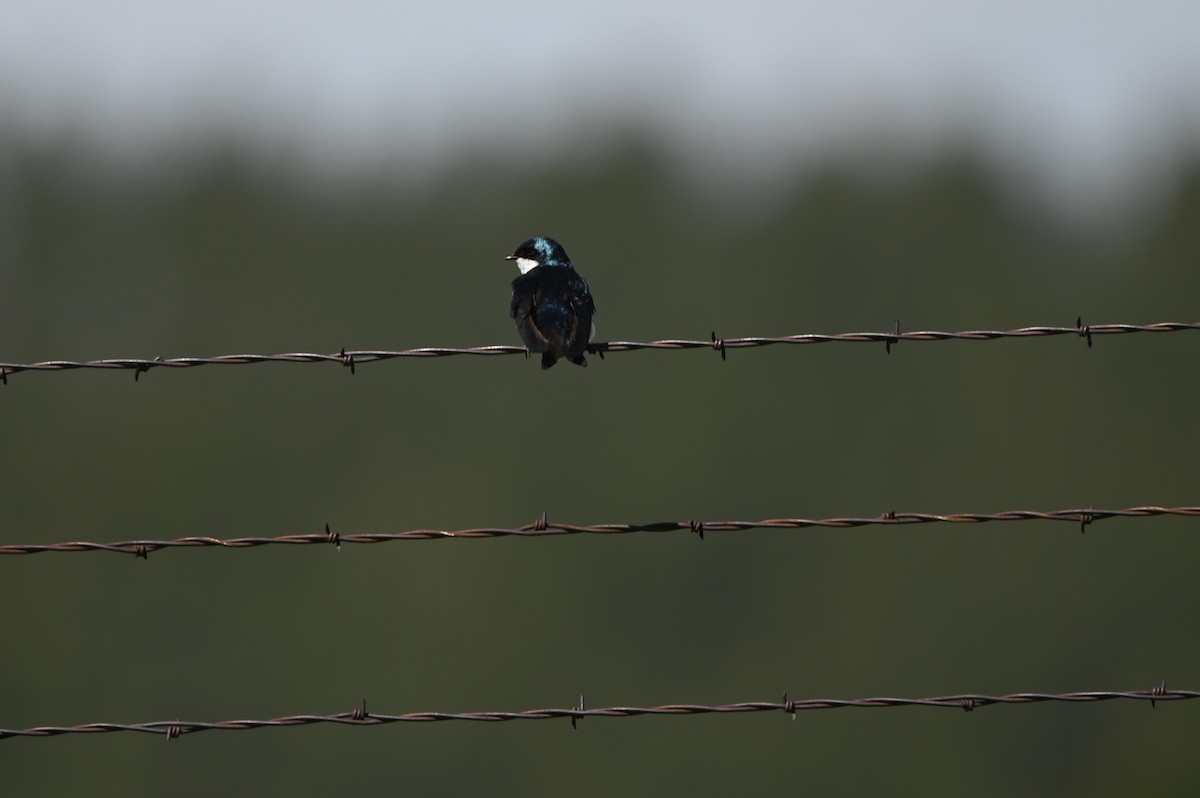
539 251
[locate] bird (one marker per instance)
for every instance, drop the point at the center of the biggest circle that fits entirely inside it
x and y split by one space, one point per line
552 305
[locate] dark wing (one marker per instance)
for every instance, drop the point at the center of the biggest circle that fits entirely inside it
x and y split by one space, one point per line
584 308
581 297
522 310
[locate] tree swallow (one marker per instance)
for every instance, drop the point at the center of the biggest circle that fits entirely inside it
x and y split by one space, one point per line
551 303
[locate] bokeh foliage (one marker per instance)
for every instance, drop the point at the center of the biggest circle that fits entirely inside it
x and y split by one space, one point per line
227 256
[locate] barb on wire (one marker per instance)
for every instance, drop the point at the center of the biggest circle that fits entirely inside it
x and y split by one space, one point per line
359 716
543 528
353 358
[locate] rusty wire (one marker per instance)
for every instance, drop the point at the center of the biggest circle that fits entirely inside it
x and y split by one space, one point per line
544 528
352 358
361 717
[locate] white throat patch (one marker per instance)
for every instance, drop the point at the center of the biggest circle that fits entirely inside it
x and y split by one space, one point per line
526 265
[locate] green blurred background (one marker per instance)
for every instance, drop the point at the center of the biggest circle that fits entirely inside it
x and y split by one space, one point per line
228 251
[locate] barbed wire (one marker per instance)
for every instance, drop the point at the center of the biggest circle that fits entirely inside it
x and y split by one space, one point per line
353 358
545 528
361 717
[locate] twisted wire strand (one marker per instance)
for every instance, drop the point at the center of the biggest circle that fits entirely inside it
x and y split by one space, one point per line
544 528
361 717
353 358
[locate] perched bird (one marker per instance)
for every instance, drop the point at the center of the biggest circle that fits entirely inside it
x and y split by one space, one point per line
551 303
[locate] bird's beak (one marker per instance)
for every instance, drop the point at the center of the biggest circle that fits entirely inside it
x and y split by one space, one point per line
510 257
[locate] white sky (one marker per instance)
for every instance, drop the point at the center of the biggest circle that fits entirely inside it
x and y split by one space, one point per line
1085 94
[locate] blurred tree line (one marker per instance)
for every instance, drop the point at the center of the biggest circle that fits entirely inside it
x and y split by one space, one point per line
226 254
